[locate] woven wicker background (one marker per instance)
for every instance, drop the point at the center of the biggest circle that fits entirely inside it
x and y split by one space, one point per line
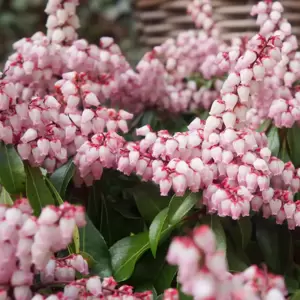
158 20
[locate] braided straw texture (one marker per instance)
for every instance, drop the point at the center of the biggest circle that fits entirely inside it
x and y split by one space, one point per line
158 20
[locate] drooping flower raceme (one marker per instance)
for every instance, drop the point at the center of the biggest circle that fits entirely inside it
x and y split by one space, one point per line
28 246
278 99
203 272
231 163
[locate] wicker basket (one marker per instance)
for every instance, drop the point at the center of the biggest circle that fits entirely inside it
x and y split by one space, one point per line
158 20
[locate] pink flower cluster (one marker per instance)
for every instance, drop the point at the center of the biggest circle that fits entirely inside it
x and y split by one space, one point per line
202 15
230 163
50 122
28 243
28 246
203 272
55 87
277 99
94 288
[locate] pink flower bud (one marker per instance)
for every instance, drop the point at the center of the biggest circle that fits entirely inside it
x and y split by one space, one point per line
62 16
67 226
179 184
30 135
55 146
24 150
259 72
243 92
94 286
87 116
263 182
44 146
256 203
289 209
217 107
275 205
58 35
165 186
239 147
91 99
276 166
48 216
274 294
204 238
233 79
28 67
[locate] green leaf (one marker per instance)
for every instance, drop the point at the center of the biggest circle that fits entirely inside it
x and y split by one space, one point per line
158 270
273 140
267 240
37 191
275 243
111 224
215 224
245 227
126 252
92 243
292 283
180 206
5 197
165 278
54 192
293 139
62 176
296 296
156 227
149 201
283 153
265 125
235 261
12 172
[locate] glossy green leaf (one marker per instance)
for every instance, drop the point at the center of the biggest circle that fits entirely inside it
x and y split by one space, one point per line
245 228
267 239
180 206
165 277
293 139
235 261
275 243
273 140
126 252
5 197
215 224
111 224
283 153
54 192
37 191
149 201
12 172
154 266
155 229
296 296
92 243
292 283
265 125
285 248
62 176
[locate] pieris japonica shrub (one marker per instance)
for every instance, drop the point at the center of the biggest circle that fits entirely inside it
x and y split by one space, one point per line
177 179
